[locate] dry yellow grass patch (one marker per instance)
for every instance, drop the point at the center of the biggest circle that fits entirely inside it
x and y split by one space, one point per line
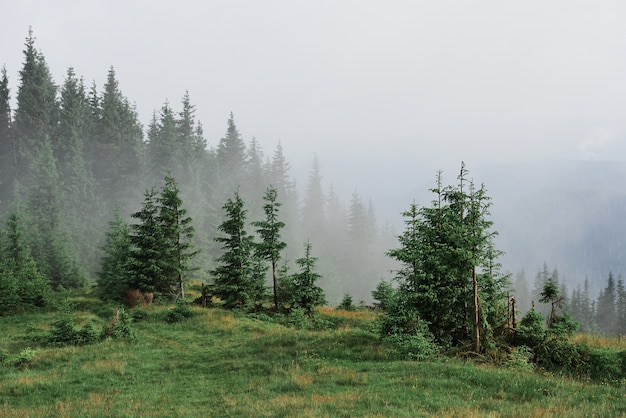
600 341
358 314
105 364
342 375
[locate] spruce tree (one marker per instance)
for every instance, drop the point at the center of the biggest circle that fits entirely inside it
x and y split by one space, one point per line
36 114
82 208
232 278
115 148
231 159
307 294
8 152
149 246
20 269
47 232
606 308
449 272
115 274
178 233
271 244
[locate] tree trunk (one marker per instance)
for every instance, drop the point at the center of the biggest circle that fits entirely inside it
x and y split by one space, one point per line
476 317
275 285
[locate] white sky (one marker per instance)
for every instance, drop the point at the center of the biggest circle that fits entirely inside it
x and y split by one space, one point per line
372 87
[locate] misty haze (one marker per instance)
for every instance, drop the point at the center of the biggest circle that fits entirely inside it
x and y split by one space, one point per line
446 179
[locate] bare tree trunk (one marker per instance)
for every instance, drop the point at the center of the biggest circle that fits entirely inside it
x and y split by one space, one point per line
275 284
476 317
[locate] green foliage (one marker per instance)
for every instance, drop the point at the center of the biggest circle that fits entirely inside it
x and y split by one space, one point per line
178 233
88 333
564 325
181 311
149 247
120 328
440 249
406 333
531 330
305 293
346 303
271 243
383 294
64 330
520 358
233 281
114 275
25 357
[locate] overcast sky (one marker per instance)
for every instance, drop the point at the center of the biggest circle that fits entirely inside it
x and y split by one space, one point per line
373 85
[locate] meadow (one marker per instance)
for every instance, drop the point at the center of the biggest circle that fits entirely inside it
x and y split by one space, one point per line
222 364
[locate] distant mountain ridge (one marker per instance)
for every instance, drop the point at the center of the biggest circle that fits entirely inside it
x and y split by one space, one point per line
570 214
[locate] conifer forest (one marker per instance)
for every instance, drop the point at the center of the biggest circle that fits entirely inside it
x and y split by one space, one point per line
92 201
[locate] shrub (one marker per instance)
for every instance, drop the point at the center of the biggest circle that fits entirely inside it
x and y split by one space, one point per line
564 325
520 358
531 331
418 345
64 331
88 334
407 335
181 311
384 294
25 357
119 328
346 303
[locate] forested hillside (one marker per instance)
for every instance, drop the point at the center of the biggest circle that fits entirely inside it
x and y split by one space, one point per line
74 154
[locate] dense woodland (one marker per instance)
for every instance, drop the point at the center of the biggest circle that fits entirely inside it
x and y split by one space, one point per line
88 196
74 158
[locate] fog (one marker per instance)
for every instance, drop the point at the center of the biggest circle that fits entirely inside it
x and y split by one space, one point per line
384 93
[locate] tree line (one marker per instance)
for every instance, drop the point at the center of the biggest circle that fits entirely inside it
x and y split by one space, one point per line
605 314
73 157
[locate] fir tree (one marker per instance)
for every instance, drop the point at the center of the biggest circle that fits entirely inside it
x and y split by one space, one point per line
178 233
37 110
82 207
306 293
114 275
606 312
19 268
149 246
116 145
47 233
271 244
233 279
8 152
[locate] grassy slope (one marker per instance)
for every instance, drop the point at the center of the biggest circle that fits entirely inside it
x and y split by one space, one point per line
217 365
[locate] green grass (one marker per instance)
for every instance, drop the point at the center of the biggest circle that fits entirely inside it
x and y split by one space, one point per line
217 364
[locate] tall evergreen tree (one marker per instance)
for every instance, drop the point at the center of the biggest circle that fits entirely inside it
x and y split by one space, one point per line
307 294
114 275
36 114
620 307
231 158
82 209
47 234
8 152
271 244
116 145
22 282
313 210
178 232
149 246
232 279
606 312
522 293
449 275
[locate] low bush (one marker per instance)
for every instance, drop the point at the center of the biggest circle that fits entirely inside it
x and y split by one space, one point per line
181 311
